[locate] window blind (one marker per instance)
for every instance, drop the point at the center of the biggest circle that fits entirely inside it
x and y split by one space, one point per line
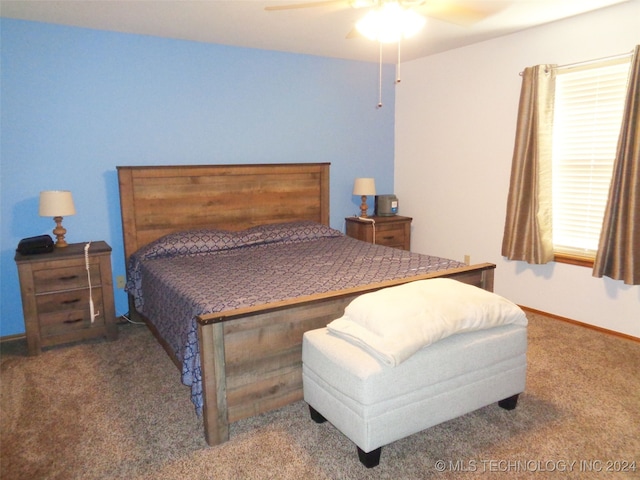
589 103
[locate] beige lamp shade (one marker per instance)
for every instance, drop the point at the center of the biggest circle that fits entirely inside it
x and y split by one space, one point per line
56 203
364 186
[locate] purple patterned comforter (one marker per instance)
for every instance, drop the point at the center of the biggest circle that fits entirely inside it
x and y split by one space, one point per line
181 276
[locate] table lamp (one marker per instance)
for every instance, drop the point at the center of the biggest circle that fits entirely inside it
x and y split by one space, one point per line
57 204
364 187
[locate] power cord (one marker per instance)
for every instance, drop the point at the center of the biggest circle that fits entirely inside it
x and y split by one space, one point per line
125 316
373 226
92 313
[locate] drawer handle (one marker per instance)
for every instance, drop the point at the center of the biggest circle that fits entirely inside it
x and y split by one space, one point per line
75 320
69 302
390 237
69 277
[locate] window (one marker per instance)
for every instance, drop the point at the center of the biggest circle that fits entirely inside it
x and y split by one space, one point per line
589 102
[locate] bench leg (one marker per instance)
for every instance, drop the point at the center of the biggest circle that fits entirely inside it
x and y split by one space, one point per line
370 459
509 403
316 416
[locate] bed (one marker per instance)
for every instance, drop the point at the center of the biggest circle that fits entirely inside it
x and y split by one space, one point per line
244 357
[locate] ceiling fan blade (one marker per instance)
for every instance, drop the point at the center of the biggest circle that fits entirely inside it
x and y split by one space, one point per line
460 12
354 33
290 6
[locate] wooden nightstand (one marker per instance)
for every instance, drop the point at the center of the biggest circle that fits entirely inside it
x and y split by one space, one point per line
392 231
55 295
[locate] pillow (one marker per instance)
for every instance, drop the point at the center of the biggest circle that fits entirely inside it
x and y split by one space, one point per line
177 244
286 232
189 242
394 323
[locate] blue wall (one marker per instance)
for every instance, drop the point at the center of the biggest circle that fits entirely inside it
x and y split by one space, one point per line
76 103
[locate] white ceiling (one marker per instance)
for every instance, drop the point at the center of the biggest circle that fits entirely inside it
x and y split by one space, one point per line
320 30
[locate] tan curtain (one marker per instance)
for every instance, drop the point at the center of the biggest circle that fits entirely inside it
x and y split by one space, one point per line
618 253
528 228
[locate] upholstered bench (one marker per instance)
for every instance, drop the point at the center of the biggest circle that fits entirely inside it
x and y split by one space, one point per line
373 403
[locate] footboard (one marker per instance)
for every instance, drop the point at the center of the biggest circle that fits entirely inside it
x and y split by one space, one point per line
251 359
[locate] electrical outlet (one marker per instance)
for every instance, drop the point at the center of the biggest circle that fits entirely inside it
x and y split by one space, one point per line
120 282
467 259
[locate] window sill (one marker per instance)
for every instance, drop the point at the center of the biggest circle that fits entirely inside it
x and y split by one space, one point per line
573 260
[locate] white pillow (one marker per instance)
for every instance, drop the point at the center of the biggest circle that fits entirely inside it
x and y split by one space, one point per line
395 322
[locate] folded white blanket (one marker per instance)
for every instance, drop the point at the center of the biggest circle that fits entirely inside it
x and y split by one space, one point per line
394 323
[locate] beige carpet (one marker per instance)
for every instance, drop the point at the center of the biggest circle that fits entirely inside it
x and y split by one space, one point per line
102 410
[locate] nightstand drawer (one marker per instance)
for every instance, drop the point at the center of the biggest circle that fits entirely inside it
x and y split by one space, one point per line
56 279
393 231
390 235
67 300
68 321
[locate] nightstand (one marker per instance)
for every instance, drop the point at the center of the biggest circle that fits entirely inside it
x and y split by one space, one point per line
394 231
55 295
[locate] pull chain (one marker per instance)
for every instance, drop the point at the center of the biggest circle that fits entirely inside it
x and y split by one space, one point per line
398 80
380 76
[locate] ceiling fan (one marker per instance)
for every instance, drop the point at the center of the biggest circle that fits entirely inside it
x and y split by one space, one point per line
458 12
388 21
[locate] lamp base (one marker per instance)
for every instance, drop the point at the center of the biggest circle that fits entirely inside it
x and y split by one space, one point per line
363 207
59 232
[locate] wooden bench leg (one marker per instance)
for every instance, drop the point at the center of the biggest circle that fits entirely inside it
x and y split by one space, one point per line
509 403
370 459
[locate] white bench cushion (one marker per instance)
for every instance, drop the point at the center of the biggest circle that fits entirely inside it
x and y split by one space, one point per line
363 378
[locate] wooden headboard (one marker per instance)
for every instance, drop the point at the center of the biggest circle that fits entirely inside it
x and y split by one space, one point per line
157 200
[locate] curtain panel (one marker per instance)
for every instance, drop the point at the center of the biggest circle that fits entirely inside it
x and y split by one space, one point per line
618 255
528 232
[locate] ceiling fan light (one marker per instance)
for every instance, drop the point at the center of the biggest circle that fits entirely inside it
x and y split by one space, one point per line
389 23
369 25
412 23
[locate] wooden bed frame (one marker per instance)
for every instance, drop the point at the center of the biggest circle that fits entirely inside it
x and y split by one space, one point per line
250 357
